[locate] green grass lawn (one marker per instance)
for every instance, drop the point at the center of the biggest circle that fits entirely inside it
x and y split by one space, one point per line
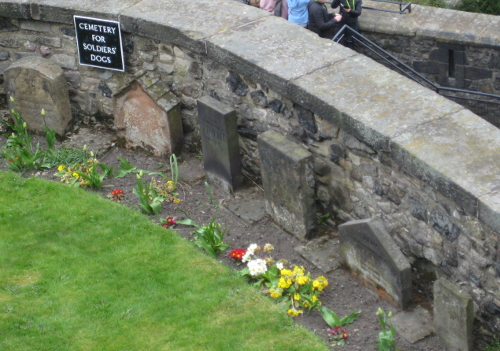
79 272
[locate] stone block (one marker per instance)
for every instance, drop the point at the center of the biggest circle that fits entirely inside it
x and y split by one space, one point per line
453 316
35 26
370 252
65 61
288 181
219 138
477 73
15 9
36 84
144 124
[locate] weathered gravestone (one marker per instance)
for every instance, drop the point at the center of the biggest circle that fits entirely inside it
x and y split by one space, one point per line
144 124
219 139
36 83
370 252
287 177
453 316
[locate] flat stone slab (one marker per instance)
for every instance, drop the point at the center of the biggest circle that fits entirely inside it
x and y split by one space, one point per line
322 252
379 116
53 11
432 151
249 205
413 325
177 28
191 171
269 58
97 141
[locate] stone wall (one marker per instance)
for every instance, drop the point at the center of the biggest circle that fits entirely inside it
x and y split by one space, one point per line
383 146
450 48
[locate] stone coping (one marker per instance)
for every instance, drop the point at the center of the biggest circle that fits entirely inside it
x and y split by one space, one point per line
435 139
425 21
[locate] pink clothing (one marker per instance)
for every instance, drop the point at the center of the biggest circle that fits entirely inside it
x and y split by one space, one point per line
270 5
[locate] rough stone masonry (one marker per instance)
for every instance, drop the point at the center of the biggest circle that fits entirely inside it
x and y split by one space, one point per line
382 146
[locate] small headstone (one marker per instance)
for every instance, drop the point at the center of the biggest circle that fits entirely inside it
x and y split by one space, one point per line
143 124
370 252
36 83
219 139
288 181
413 325
453 316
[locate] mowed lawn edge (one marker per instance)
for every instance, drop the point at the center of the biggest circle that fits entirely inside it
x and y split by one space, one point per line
79 272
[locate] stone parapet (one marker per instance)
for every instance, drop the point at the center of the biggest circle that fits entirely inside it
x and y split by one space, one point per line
382 146
441 24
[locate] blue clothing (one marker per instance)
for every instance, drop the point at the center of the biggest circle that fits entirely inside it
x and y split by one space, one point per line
297 11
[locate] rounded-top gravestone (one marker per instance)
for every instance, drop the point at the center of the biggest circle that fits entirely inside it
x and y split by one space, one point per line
36 83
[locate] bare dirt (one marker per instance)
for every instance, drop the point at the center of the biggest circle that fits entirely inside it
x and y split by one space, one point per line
344 294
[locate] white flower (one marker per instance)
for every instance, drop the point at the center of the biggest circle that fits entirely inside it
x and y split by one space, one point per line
279 265
257 267
251 249
246 257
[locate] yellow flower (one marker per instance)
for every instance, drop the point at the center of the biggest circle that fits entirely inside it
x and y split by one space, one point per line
306 304
170 182
314 298
298 270
293 312
76 175
296 297
60 168
176 201
275 293
284 283
302 279
286 272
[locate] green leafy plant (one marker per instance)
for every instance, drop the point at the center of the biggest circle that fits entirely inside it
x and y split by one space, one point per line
91 173
63 156
293 287
19 151
493 346
338 336
149 201
334 321
210 195
323 218
386 338
208 237
174 169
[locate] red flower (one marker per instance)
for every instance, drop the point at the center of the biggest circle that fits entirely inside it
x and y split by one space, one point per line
117 194
237 253
169 221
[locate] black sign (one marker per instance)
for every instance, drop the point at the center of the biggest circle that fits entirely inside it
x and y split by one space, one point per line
99 43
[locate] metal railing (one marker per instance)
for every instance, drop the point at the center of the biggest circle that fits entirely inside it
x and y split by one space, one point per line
483 104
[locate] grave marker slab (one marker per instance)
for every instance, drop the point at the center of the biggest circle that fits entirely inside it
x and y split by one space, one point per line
287 177
369 251
36 83
145 124
219 138
453 316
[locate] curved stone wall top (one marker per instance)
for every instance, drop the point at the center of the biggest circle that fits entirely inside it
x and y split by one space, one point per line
426 21
437 140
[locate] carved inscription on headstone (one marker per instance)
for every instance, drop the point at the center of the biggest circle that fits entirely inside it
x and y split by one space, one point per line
219 138
370 251
288 182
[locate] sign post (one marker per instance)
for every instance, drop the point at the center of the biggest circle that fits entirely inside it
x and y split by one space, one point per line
99 43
